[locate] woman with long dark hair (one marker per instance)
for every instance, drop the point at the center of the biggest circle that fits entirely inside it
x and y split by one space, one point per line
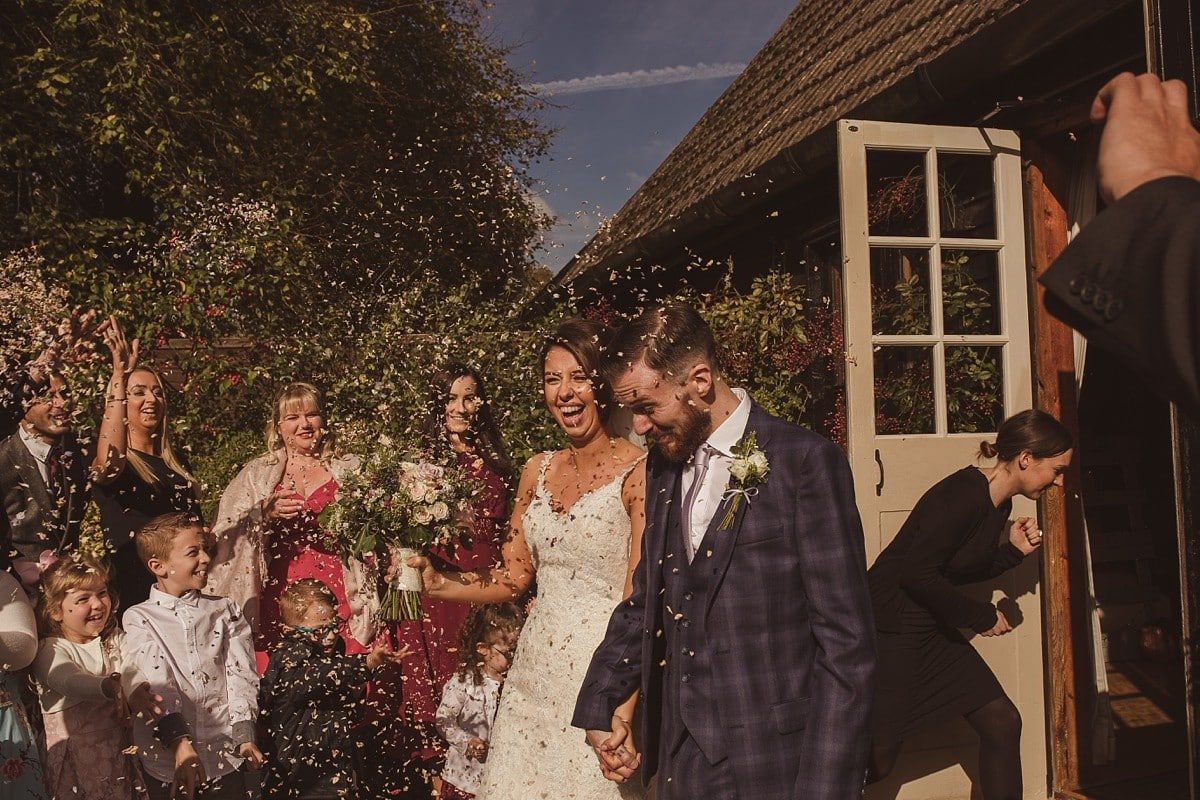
928 672
459 428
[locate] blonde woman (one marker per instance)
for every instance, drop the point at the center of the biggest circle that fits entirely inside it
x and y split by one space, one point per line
136 474
267 531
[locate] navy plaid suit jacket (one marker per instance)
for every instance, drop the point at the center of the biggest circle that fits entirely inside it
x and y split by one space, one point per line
788 626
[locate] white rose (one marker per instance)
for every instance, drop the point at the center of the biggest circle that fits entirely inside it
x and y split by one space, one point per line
758 463
417 492
431 496
440 511
423 515
739 469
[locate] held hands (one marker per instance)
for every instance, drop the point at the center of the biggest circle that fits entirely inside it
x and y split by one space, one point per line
189 772
477 749
615 750
254 757
1000 628
1148 133
1025 535
282 505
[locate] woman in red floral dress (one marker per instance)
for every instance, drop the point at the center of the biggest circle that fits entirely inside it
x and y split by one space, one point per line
459 426
267 531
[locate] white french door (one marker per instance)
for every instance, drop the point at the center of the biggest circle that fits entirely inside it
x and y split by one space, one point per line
936 298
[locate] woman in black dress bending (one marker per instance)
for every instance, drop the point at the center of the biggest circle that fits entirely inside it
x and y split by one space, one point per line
928 672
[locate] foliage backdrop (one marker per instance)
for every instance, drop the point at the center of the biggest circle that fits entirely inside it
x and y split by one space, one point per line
328 191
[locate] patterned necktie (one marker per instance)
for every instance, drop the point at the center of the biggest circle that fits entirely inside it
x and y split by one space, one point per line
54 471
699 471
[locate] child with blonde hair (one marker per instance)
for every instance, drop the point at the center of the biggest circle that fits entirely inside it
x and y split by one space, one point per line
469 699
88 685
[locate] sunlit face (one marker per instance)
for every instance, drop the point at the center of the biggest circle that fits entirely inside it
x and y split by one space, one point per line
186 566
84 612
462 405
321 624
570 396
147 401
496 654
664 411
49 416
1040 474
301 425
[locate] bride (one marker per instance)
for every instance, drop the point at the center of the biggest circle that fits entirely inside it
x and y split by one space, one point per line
577 525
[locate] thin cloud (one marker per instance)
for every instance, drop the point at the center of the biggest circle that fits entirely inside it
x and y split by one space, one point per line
638 78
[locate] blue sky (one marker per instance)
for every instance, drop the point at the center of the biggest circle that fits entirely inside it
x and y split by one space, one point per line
663 63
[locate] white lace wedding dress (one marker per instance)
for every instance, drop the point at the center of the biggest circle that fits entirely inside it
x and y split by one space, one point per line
581 558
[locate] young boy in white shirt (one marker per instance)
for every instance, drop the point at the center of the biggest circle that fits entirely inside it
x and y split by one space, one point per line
196 651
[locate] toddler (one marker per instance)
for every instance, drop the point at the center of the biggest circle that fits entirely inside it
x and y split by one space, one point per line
196 652
311 699
469 699
87 684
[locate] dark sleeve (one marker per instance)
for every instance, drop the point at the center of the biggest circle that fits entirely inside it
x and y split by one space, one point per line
1129 284
944 521
1005 558
313 677
833 567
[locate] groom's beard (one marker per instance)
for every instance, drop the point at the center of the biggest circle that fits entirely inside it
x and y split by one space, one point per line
686 436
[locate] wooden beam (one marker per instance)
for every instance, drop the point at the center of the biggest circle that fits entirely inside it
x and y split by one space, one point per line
1064 581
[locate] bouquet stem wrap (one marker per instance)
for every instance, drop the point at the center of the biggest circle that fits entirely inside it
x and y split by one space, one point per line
402 600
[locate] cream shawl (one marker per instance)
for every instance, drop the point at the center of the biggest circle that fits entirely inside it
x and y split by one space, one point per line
239 568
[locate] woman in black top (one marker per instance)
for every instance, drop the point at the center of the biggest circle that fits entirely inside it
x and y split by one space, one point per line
928 672
136 474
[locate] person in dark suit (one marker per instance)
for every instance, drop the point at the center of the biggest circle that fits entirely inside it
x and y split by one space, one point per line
1130 282
43 480
956 534
21 385
749 630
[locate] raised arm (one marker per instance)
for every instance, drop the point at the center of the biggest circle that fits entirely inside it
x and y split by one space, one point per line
112 440
499 584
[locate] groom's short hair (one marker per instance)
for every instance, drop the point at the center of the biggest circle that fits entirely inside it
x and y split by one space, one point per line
669 339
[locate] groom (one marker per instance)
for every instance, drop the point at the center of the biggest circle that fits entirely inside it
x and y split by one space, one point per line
749 630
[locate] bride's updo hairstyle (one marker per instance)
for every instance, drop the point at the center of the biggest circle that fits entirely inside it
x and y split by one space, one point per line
1036 431
584 339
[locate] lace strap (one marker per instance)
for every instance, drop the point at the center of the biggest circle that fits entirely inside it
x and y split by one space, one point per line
545 465
625 472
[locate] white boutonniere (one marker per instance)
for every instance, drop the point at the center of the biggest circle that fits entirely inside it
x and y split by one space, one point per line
748 470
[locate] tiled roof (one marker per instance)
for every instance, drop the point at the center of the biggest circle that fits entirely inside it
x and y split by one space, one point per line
828 57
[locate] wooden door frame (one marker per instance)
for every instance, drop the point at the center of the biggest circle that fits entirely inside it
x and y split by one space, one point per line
1063 563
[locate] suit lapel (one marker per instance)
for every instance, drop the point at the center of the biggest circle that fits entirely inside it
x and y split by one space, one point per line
30 473
721 542
661 487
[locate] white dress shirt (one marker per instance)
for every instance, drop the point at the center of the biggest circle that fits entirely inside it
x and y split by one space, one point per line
40 451
196 652
467 712
69 673
720 443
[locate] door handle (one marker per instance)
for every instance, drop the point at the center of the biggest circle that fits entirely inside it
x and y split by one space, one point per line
879 486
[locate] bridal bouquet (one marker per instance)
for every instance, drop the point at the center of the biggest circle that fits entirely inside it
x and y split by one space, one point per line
404 504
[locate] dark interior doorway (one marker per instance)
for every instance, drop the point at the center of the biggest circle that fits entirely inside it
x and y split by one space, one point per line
1139 721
